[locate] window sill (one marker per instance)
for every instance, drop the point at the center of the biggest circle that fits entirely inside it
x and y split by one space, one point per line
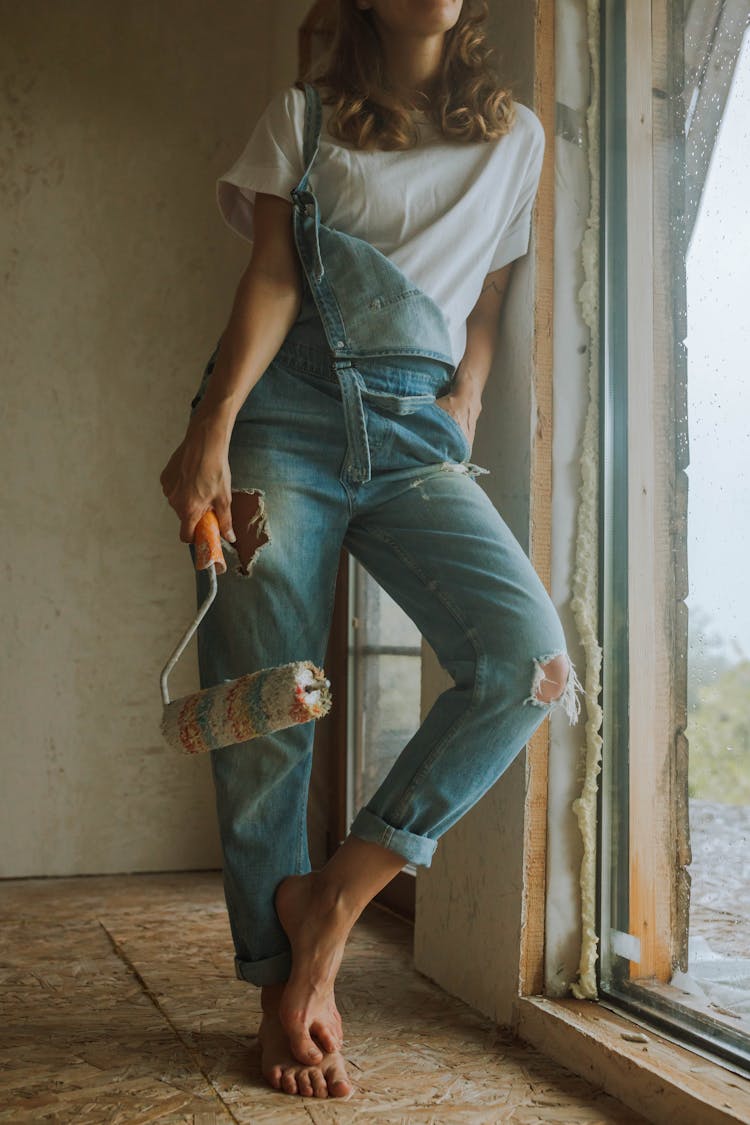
659 1079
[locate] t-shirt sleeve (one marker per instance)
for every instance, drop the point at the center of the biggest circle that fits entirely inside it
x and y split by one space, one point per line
514 240
270 162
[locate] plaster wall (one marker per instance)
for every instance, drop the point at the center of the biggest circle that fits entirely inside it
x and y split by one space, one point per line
118 278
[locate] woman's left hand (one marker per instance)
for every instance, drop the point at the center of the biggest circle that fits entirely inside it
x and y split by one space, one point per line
465 409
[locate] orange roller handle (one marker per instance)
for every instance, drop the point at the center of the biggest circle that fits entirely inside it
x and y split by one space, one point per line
207 540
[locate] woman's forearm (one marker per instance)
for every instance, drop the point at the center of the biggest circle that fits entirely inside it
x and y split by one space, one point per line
465 400
265 307
481 337
474 368
197 476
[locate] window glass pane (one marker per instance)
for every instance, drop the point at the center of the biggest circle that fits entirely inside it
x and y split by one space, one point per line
718 352
386 664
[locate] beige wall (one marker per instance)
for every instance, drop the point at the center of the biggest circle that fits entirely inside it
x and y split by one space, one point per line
118 275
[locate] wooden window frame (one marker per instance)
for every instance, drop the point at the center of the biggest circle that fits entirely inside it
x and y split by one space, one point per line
653 1072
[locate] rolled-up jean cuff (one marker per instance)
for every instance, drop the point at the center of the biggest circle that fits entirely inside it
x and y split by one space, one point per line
415 849
271 970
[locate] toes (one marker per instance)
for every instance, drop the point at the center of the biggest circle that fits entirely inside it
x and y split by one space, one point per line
338 1083
304 1083
319 1084
327 1038
339 1089
289 1081
274 1077
303 1047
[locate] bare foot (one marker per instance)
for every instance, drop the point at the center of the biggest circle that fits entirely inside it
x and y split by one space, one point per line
317 926
282 1071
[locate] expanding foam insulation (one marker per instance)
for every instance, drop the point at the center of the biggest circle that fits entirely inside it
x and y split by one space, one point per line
118 278
570 941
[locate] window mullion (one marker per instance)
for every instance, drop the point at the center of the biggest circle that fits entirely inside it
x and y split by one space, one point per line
649 790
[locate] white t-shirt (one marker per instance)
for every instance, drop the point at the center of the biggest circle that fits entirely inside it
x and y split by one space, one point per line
446 213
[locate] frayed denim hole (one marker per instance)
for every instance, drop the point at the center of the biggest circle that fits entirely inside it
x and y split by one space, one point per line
568 700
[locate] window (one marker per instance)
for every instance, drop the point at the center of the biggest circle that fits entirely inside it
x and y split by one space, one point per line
384 677
675 445
386 655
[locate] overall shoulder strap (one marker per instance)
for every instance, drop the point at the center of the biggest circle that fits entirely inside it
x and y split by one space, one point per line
313 121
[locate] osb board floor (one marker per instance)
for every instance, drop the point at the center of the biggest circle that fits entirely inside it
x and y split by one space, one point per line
120 1005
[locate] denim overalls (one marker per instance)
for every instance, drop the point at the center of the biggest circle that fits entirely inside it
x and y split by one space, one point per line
343 438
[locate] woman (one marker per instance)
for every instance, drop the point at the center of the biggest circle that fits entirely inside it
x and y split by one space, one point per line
386 203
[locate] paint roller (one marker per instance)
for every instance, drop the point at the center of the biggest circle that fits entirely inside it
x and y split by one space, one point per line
241 709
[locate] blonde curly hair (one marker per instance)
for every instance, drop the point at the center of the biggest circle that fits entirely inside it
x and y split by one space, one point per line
469 103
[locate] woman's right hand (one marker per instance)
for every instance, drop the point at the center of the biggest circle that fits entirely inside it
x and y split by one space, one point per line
197 477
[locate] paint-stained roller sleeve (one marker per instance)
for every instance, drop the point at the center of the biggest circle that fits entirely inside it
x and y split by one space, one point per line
251 705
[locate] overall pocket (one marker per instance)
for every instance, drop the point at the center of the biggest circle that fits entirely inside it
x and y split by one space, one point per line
447 420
